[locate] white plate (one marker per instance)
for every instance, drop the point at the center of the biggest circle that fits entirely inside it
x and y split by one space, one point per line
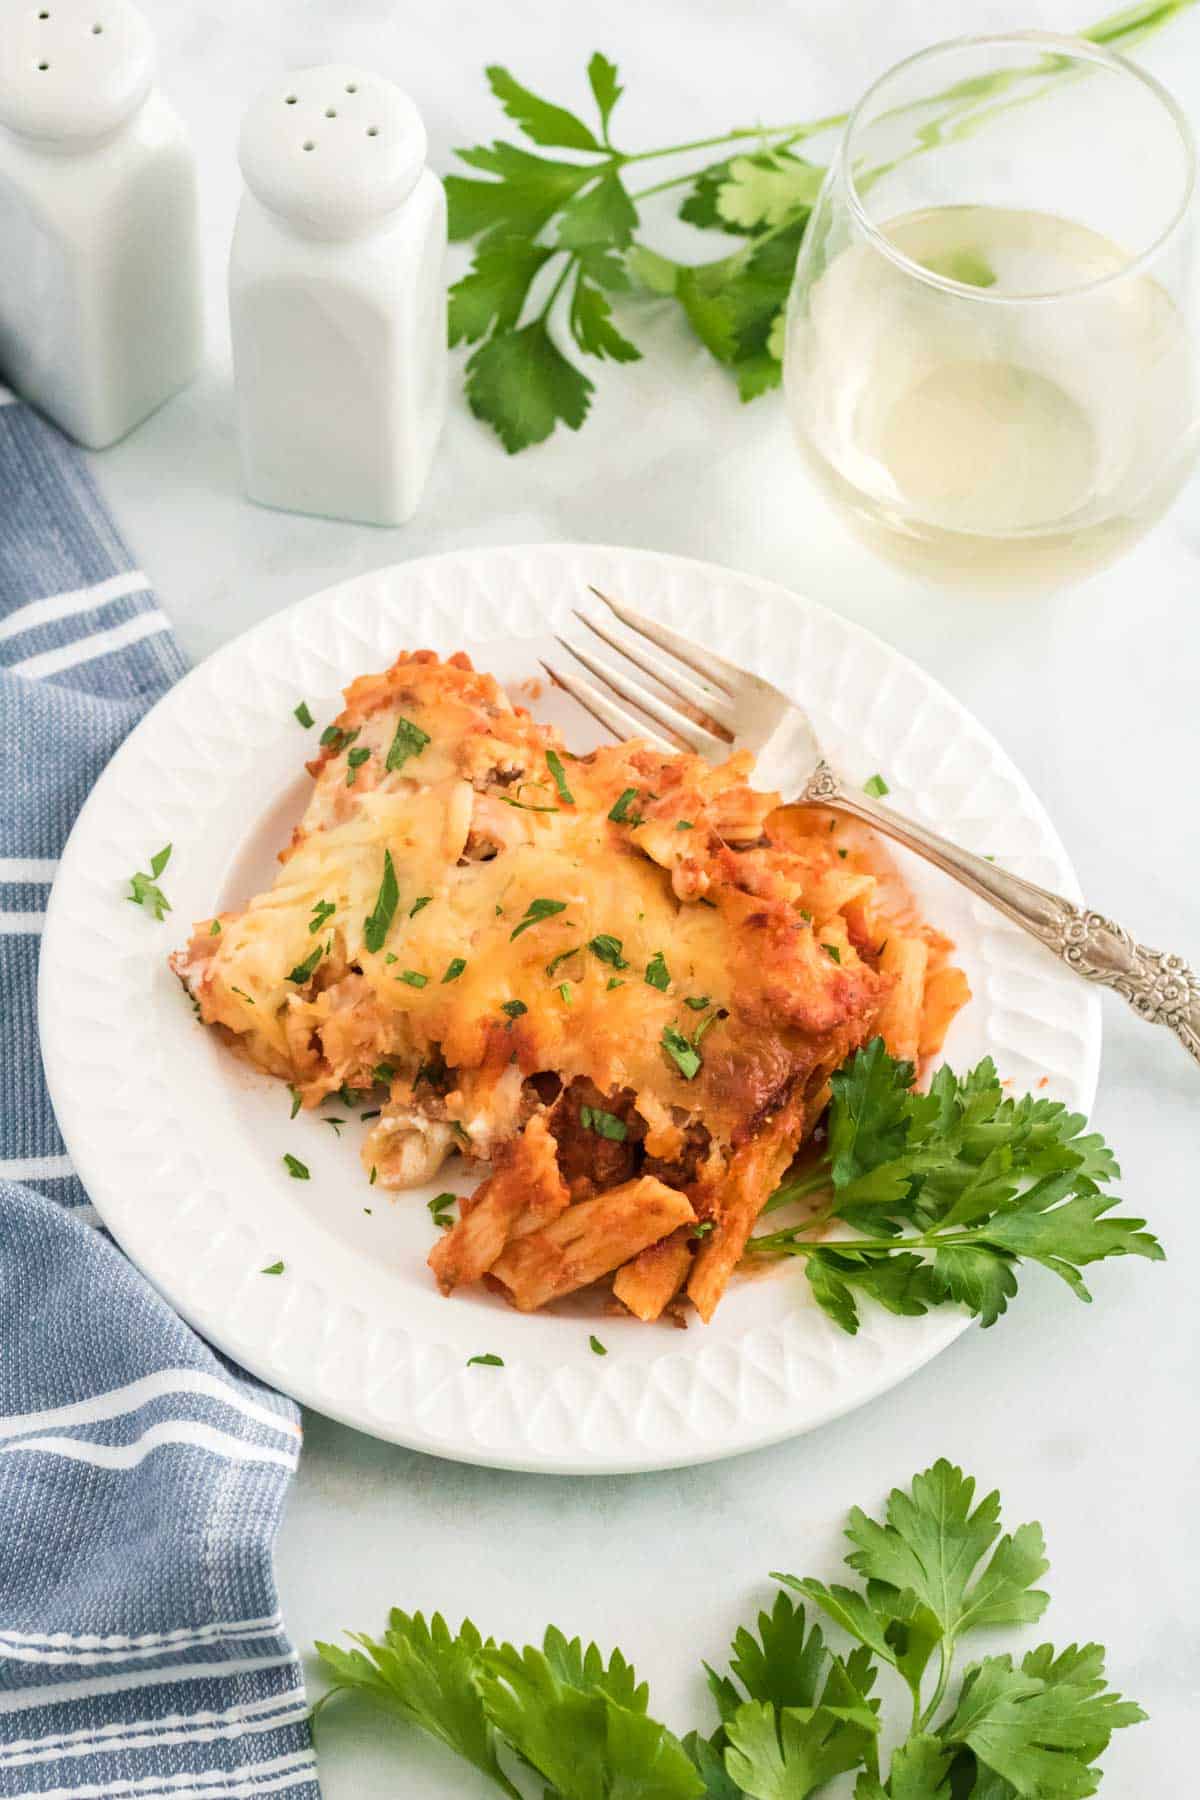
180 1146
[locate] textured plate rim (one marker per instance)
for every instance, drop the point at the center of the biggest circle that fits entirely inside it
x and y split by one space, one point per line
936 1332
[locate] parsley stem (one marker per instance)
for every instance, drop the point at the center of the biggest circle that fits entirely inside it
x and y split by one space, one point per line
553 296
945 1657
802 128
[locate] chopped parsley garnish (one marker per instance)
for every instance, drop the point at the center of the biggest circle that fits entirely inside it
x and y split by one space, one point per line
489 1361
391 957
612 983
336 740
697 1002
702 1230
619 811
604 1124
413 977
302 971
657 973
564 992
535 912
371 1183
296 1100
383 1072
214 929
379 922
876 786
563 956
242 994
418 904
832 950
356 759
351 1096
454 969
524 805
294 1167
437 1209
409 740
373 1114
608 949
684 825
336 1123
144 890
598 1349
302 713
275 1268
324 909
514 1008
684 1055
554 764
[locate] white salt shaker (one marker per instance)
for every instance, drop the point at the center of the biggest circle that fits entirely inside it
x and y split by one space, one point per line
99 264
337 298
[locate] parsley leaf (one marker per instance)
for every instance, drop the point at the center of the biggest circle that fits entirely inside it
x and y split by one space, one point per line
437 1209
413 977
657 973
602 79
528 191
419 905
555 765
409 740
522 385
683 1054
786 1755
302 713
275 1268
144 890
304 970
604 1124
324 909
619 811
607 949
454 969
428 1675
876 786
538 119
489 1360
514 1008
597 1348
295 1168
535 912
494 290
379 921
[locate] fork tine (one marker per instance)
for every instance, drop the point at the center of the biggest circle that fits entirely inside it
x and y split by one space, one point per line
706 700
685 730
613 717
706 663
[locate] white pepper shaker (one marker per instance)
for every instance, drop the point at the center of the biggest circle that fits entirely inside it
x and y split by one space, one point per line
337 298
99 261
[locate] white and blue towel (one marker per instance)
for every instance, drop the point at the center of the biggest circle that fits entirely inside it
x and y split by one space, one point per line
142 1655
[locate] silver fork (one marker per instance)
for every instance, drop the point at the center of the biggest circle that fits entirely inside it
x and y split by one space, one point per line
702 703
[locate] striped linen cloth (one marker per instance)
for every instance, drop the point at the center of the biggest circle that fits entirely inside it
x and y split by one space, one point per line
142 1655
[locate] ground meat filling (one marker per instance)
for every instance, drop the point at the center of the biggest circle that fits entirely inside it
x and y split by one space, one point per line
589 1160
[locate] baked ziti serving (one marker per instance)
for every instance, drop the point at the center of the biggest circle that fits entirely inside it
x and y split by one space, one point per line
618 982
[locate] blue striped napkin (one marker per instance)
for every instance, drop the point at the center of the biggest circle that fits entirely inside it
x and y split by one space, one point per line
142 1655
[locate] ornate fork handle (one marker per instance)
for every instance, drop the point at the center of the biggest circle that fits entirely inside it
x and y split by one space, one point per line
1160 987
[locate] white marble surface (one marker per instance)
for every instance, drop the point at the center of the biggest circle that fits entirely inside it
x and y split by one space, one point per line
1085 1417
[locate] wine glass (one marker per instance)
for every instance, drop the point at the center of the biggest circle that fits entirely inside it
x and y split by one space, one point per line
990 362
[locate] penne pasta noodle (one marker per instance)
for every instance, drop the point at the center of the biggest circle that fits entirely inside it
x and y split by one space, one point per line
651 1281
589 1240
905 959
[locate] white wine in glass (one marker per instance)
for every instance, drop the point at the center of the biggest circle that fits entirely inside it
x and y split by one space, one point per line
989 363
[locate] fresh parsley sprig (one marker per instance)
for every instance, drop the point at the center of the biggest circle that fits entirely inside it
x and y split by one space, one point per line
948 1192
795 1713
556 239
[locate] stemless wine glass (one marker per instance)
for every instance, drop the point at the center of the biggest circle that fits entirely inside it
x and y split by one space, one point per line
989 357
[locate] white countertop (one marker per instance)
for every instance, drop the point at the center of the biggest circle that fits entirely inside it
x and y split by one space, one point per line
1084 1417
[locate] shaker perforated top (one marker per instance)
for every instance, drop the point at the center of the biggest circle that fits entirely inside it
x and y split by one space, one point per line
72 70
332 149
